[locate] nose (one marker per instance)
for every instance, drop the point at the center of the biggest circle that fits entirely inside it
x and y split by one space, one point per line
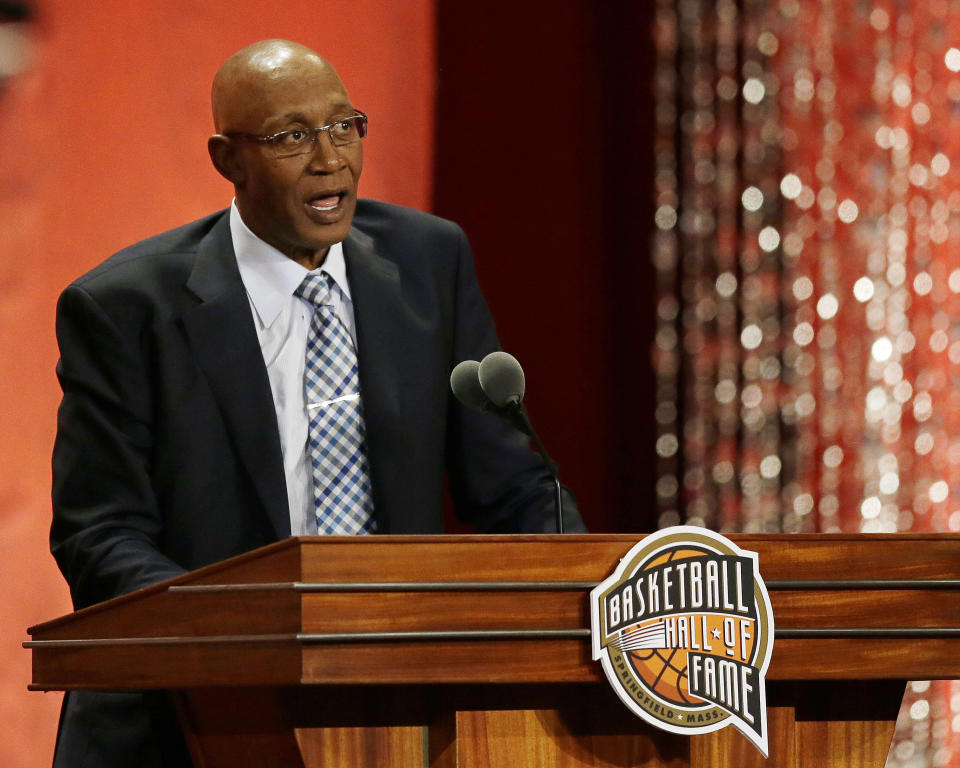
325 157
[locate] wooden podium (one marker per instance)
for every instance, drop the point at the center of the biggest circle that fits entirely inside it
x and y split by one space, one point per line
474 651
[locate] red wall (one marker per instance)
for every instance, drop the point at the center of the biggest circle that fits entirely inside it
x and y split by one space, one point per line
102 142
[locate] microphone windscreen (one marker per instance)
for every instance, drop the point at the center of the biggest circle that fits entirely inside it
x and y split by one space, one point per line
465 384
501 378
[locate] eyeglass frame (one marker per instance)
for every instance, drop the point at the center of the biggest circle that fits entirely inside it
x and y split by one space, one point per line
359 116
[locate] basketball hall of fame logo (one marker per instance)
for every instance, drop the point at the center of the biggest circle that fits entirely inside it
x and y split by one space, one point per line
684 631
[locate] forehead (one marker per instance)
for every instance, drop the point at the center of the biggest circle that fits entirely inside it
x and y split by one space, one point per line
306 89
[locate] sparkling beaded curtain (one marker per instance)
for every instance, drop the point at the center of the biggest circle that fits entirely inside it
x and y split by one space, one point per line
808 279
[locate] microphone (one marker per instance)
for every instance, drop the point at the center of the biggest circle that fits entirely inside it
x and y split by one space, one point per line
465 383
501 379
497 384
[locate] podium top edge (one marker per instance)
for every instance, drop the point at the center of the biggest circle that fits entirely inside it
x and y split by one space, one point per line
440 538
292 551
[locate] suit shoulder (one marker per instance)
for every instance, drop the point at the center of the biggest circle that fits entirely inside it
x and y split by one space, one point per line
389 222
152 257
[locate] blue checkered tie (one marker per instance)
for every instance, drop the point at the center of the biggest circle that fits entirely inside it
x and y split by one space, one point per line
336 443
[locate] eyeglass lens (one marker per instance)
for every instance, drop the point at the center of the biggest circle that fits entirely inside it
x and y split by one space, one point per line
301 141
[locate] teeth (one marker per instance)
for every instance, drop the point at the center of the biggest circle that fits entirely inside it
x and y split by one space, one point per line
328 203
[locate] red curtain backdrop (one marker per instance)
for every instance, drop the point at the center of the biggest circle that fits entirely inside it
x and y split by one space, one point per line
102 142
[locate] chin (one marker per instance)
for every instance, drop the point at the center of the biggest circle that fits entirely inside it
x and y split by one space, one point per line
324 237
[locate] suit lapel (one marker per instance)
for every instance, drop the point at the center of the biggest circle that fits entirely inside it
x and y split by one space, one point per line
378 311
224 340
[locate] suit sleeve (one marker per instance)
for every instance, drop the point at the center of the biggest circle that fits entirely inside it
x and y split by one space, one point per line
107 528
498 483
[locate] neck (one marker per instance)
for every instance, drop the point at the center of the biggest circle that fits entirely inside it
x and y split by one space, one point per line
303 256
310 260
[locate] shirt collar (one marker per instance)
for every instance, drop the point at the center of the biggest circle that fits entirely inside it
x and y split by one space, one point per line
270 278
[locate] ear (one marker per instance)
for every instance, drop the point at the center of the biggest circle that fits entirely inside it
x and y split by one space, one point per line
226 159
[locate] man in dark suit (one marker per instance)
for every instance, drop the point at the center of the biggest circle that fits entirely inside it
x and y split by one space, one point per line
184 433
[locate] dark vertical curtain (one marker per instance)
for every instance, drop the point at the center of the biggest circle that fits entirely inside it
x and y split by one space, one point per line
543 154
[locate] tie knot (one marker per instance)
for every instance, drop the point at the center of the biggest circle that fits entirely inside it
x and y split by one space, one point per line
316 289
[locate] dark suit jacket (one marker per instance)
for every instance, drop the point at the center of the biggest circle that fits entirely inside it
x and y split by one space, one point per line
167 455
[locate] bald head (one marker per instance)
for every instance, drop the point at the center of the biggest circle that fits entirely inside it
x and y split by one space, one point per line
244 79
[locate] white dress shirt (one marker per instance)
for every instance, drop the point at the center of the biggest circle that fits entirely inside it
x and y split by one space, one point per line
283 320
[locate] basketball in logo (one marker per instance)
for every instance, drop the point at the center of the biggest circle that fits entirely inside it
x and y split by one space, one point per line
684 631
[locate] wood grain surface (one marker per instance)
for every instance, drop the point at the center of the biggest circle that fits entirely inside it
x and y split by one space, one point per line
265 605
289 640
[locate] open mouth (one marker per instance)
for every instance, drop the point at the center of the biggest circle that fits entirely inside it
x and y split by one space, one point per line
327 208
326 202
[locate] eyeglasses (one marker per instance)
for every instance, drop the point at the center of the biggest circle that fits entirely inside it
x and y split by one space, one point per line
302 141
